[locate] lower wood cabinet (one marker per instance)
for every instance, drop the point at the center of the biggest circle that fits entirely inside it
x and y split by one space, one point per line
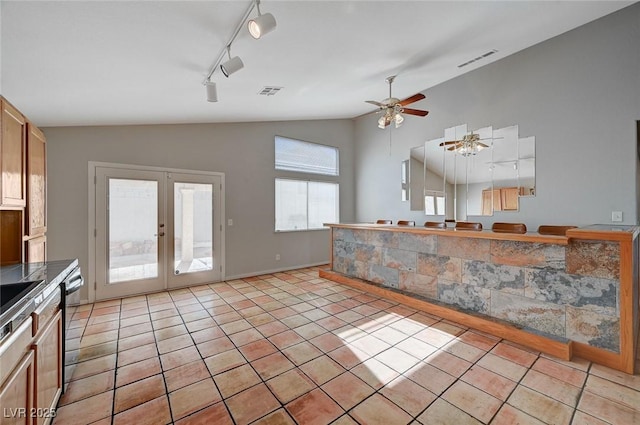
36 250
16 394
47 348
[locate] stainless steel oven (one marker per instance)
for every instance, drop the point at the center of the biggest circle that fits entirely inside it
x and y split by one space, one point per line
70 288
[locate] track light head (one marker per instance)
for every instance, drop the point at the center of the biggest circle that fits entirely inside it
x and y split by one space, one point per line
232 65
212 91
261 25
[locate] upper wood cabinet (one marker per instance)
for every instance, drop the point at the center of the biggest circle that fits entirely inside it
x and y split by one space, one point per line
36 223
509 198
12 156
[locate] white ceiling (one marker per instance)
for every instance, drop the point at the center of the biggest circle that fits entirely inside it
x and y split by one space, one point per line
143 62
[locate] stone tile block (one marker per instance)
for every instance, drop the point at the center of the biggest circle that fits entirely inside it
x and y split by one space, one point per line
593 328
449 268
594 258
399 259
384 275
527 254
344 249
465 248
426 286
579 291
384 239
493 276
368 253
416 242
542 316
468 297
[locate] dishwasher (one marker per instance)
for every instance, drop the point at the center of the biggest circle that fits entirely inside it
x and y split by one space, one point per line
70 288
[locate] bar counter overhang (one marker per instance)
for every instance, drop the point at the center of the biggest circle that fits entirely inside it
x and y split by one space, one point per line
573 295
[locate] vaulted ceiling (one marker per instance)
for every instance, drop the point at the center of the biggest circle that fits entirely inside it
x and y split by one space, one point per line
144 62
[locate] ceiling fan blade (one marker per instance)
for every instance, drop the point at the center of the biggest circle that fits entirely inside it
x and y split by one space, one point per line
483 145
418 112
414 98
452 142
452 148
373 102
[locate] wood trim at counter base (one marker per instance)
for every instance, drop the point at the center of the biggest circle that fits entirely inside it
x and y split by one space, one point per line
559 349
602 357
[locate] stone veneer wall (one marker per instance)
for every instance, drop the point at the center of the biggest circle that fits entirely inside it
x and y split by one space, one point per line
563 291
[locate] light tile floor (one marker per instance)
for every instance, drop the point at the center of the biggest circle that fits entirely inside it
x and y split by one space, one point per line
293 348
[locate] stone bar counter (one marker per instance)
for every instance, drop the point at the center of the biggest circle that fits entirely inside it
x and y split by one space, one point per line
563 295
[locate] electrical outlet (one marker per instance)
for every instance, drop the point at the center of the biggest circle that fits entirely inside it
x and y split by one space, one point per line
230 222
277 257
616 216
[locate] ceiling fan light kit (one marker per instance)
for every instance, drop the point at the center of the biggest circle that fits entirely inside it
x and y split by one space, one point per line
257 27
394 108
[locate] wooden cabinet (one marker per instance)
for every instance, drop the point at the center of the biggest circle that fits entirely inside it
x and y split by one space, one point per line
10 237
23 188
36 221
16 394
17 376
491 201
500 199
12 156
36 251
47 348
509 198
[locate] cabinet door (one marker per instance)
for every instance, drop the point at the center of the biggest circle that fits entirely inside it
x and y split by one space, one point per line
16 394
36 182
487 202
509 197
48 369
12 157
36 250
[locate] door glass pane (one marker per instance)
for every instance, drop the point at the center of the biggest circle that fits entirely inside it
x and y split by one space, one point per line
193 241
133 225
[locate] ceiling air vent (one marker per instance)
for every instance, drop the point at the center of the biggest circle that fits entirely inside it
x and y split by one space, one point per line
489 53
270 90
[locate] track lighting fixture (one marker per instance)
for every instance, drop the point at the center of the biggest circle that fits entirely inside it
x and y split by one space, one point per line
212 91
261 25
232 65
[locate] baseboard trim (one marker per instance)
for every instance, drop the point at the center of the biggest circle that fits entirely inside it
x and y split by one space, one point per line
284 269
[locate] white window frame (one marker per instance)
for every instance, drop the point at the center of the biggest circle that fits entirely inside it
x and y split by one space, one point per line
307 229
431 199
281 167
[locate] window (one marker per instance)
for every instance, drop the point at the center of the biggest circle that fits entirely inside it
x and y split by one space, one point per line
306 157
305 205
434 202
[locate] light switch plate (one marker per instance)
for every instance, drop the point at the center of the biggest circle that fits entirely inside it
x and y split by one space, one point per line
616 216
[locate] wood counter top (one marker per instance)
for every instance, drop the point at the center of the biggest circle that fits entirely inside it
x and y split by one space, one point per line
484 234
604 232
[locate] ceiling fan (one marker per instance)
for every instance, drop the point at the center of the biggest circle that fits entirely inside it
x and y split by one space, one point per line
393 108
470 144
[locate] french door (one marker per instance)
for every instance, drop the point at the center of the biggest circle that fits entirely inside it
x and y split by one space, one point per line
155 230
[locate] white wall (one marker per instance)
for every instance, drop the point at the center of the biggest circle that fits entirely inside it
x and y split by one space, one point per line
244 152
578 94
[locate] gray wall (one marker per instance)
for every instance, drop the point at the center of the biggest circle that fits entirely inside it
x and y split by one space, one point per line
244 152
578 94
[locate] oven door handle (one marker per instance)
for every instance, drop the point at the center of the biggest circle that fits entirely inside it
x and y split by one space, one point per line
74 281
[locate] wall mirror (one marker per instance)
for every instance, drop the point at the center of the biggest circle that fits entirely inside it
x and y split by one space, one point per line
477 172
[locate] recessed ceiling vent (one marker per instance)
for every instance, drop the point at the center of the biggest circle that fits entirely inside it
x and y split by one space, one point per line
270 90
489 53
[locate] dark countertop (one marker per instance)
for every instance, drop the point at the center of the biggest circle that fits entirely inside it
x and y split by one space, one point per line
46 278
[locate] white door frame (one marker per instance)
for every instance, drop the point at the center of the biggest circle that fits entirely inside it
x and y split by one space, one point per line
92 279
